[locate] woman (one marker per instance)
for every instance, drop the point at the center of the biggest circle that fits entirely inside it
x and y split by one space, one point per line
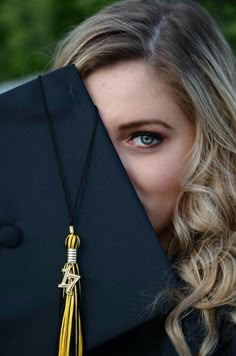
168 62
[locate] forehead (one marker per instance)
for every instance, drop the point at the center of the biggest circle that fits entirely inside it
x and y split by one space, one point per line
130 90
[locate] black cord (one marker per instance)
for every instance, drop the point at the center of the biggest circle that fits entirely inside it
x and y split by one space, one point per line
85 168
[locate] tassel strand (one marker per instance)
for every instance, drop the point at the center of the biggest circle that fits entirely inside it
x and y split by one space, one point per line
69 283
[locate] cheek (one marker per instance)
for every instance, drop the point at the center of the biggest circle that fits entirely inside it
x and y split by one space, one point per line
157 188
158 192
157 176
157 180
153 176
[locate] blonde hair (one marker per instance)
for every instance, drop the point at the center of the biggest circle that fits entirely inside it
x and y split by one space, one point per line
182 43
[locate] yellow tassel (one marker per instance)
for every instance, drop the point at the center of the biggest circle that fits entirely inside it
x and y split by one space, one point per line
69 284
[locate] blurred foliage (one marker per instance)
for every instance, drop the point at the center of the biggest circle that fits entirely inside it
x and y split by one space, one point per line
29 30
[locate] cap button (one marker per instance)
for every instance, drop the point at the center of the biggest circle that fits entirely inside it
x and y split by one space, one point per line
10 236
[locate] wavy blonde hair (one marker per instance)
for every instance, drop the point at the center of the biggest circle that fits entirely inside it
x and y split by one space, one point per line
184 45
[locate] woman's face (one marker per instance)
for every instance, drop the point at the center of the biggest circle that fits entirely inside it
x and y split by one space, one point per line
150 133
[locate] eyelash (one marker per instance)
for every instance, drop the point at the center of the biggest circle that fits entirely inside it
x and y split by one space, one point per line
151 134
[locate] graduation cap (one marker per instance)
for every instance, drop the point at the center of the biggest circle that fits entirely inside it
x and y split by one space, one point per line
80 262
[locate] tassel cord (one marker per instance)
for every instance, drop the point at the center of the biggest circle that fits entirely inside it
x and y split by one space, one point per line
71 271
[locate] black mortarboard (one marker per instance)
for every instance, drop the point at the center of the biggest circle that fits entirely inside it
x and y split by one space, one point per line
122 265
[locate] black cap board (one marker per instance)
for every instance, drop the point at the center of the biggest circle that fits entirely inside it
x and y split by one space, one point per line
122 264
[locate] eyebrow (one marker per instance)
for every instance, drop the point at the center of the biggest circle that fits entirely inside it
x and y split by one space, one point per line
138 123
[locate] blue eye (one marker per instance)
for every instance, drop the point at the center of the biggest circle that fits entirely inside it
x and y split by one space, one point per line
147 138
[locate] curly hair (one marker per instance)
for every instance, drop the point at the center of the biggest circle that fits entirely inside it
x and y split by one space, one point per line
183 44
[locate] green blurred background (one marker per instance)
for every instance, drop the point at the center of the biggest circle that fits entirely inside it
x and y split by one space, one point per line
30 29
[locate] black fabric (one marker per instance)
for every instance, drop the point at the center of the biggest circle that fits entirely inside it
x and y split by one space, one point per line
122 263
149 339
